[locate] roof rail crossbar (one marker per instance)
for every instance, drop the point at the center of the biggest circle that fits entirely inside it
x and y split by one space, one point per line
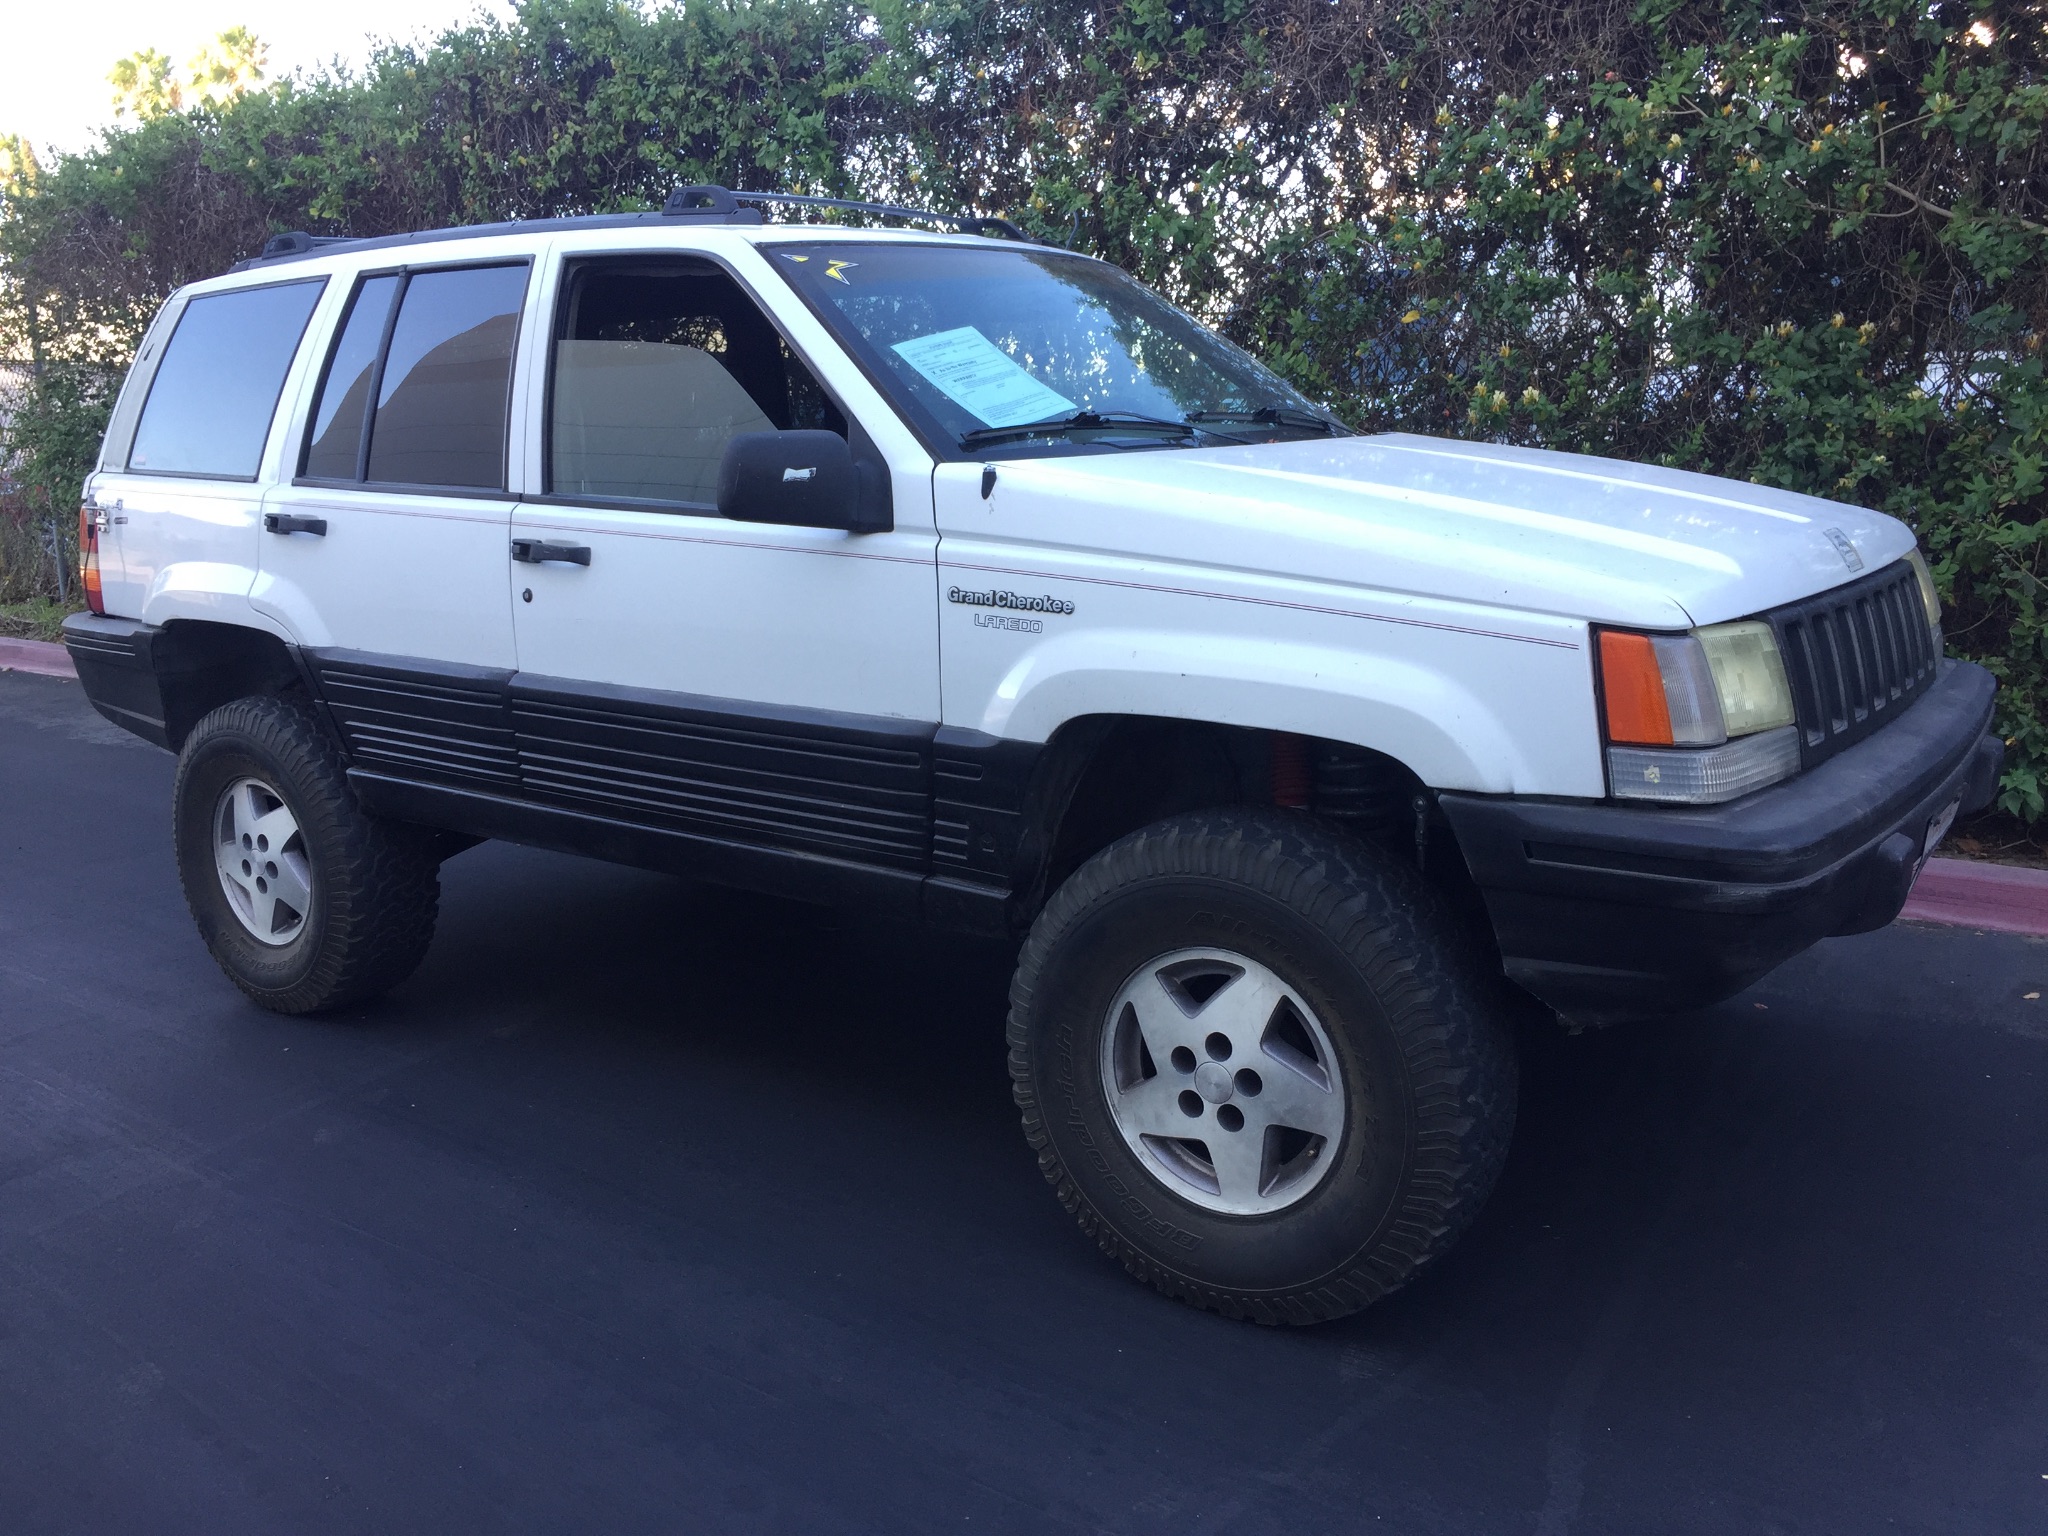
719 203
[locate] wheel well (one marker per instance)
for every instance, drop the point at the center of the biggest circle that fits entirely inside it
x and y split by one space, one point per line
200 666
1102 778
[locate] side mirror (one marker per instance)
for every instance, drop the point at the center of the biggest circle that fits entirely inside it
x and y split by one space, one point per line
798 479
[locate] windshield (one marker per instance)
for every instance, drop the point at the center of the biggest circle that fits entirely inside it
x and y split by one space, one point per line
1036 352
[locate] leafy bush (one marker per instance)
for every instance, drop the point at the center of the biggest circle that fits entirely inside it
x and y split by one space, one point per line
1803 243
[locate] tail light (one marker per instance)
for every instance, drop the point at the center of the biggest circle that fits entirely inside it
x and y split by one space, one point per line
89 557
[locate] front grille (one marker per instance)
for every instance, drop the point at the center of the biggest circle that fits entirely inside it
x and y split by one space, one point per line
1856 657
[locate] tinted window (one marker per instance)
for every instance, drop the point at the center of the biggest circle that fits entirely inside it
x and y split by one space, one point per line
210 406
656 369
442 401
337 431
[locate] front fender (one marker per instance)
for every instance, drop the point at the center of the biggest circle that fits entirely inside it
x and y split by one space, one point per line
1446 733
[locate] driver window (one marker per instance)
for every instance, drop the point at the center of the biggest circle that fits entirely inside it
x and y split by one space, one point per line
656 367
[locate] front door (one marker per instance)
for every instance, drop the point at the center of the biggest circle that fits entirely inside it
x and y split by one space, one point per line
752 684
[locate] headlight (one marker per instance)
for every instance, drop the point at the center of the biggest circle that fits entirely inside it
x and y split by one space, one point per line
1749 676
1929 598
1716 700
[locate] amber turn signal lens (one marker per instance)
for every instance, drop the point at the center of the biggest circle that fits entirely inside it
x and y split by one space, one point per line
1633 686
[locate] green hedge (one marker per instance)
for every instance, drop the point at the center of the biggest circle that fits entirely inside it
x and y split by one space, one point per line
1802 243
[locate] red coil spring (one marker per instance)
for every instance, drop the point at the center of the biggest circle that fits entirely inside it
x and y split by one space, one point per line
1291 781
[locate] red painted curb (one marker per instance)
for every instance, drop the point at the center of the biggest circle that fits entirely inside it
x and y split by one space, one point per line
1967 894
38 656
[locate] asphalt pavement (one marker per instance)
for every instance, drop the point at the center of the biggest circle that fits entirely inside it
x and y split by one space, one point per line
649 1207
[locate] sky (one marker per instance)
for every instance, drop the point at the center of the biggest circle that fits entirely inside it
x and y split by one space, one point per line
55 54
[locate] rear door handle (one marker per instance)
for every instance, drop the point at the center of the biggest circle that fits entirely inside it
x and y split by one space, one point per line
291 522
541 552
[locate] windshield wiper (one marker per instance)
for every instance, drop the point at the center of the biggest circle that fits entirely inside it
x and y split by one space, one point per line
1275 416
1077 421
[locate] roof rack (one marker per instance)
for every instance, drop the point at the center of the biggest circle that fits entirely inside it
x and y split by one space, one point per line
722 205
712 205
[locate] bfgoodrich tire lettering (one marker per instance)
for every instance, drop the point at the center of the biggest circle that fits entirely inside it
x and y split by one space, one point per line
374 887
1422 1048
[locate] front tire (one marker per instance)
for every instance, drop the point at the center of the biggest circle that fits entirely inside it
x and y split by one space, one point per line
305 900
1261 1064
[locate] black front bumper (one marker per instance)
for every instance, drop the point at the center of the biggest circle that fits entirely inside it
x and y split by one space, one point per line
1609 912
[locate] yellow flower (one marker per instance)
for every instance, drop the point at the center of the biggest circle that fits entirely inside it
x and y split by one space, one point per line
1755 164
1674 142
1656 183
1838 322
1814 146
1500 402
1785 329
1728 110
1411 317
1506 350
1531 395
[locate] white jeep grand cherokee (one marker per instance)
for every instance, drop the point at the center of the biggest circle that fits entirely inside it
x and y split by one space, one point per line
966 579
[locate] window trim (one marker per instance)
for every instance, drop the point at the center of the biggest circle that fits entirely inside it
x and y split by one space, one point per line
405 275
565 265
128 467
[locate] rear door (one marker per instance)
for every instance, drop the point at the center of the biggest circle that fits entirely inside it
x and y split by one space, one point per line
388 538
385 553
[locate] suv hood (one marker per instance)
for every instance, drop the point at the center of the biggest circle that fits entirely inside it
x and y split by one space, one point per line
1557 533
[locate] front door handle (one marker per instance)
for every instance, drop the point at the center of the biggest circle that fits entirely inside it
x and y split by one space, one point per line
541 552
291 522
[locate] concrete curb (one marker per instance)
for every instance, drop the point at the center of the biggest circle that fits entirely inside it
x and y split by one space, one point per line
37 656
1961 893
1969 894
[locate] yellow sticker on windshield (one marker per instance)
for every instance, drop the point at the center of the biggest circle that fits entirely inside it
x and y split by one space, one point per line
836 270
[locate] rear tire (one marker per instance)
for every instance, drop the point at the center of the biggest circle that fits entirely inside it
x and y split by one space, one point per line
335 906
1261 1063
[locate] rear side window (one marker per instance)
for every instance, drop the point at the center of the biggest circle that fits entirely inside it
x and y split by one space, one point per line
418 387
338 421
210 405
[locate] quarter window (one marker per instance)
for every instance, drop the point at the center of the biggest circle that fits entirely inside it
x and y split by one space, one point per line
210 405
439 372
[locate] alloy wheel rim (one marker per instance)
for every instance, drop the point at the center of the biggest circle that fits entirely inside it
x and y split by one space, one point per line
1223 1082
261 856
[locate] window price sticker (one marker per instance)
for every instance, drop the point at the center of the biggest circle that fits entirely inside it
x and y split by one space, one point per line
973 371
